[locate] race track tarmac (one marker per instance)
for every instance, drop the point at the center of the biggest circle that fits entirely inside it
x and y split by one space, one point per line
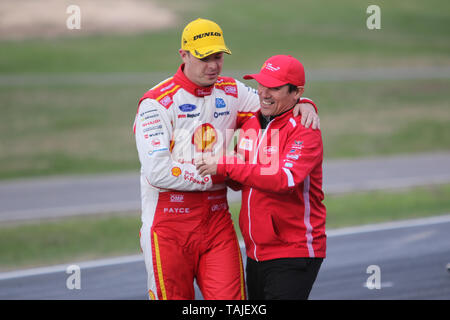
409 257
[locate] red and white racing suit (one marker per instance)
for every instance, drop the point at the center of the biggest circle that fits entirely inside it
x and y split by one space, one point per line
186 229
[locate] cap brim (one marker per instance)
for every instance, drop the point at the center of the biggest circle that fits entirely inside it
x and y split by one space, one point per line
265 80
206 51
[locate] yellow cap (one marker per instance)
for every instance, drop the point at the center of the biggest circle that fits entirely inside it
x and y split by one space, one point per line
202 38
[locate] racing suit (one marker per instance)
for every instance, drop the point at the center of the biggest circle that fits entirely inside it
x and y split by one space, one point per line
187 230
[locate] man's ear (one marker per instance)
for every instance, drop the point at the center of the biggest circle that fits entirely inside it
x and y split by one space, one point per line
300 90
183 54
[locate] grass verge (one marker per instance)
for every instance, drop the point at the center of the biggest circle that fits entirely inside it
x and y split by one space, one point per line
77 238
83 238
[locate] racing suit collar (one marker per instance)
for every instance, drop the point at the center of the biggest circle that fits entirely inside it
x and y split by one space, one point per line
181 79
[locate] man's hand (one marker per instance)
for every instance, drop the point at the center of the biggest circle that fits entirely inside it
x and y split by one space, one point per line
206 166
309 115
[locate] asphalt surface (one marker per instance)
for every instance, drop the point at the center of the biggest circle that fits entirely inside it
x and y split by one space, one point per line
412 262
75 195
411 257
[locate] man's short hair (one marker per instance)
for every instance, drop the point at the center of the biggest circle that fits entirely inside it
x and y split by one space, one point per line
292 88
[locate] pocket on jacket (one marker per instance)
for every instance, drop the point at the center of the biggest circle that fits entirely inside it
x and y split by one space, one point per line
264 230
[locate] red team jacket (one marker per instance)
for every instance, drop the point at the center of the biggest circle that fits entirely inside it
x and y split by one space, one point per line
282 213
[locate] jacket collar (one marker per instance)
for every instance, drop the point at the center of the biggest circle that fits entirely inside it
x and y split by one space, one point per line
198 91
279 119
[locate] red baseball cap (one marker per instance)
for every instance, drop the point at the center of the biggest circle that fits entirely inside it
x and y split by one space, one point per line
278 71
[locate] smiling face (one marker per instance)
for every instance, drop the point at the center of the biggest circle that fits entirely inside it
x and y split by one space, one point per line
203 72
274 101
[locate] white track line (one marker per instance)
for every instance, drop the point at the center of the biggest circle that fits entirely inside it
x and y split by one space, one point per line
63 267
136 258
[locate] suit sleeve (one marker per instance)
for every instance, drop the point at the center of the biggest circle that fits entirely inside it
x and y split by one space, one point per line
308 100
153 129
301 154
248 103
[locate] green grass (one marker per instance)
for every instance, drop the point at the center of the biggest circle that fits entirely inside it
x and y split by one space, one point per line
67 130
368 118
79 238
82 238
323 34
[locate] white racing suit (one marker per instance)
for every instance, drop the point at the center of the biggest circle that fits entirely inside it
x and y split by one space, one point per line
186 229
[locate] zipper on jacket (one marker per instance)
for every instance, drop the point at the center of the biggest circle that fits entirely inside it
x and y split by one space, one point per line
255 158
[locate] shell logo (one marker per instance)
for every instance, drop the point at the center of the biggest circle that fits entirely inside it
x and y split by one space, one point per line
204 137
176 171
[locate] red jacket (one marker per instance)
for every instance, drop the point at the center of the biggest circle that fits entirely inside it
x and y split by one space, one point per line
282 214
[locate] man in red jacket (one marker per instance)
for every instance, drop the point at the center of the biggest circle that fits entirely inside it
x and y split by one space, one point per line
282 217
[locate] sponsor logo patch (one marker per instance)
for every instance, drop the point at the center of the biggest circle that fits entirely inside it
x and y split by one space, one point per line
176 171
176 198
246 144
207 34
220 114
220 103
292 156
176 210
270 150
151 152
187 107
269 66
166 101
204 137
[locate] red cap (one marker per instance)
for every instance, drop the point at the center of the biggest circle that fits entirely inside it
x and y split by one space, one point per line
278 71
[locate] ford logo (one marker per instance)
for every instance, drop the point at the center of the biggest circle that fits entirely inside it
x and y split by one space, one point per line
187 107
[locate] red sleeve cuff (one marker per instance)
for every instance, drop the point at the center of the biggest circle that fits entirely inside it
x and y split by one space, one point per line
221 167
217 179
306 100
